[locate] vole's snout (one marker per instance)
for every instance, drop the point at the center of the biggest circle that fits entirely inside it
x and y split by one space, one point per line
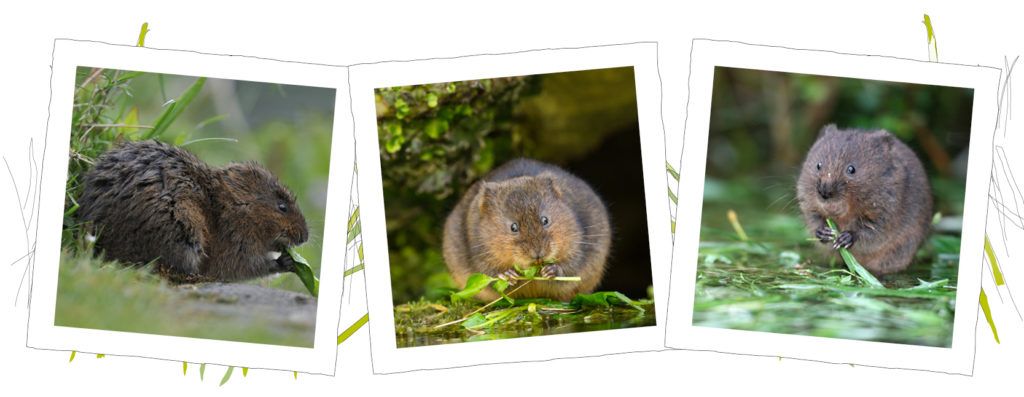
303 235
827 189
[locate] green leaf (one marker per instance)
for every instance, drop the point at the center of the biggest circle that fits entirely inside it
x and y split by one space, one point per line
672 196
245 371
431 100
184 368
604 299
500 285
474 284
474 321
175 108
227 376
852 263
529 272
401 108
202 371
72 356
305 272
394 144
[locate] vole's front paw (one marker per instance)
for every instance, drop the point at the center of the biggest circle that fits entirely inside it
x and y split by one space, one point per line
825 234
552 271
509 276
845 240
285 263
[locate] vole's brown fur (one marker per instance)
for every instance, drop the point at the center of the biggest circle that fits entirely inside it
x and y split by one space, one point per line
148 201
575 239
883 208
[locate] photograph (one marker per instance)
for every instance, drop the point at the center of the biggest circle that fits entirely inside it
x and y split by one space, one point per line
194 207
515 207
832 207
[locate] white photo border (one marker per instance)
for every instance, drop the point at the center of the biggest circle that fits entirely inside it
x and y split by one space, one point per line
387 357
43 334
681 334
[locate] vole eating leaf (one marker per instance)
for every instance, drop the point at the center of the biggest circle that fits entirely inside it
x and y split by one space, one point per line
305 272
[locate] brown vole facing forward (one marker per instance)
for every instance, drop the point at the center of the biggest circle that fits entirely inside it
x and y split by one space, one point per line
529 213
149 201
876 191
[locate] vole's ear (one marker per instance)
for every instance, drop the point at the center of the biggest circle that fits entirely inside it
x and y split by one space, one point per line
548 181
487 195
886 139
828 129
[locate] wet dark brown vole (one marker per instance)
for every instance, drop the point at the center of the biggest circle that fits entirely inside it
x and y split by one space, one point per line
876 191
529 213
149 201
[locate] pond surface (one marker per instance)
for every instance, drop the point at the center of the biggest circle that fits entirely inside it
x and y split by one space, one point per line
779 282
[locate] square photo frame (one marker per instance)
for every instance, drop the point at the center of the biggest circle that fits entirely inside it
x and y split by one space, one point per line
953 354
388 357
320 356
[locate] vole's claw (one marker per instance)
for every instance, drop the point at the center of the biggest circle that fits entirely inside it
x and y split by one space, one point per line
551 271
825 234
509 276
845 240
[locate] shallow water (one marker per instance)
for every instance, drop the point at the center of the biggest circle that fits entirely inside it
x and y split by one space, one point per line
789 286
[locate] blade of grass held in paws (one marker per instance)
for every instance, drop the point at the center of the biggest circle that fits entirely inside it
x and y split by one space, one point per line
852 263
305 272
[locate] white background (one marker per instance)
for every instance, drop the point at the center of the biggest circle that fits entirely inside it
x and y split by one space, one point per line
346 32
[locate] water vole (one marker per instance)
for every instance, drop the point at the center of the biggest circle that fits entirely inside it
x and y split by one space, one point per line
875 189
529 213
149 201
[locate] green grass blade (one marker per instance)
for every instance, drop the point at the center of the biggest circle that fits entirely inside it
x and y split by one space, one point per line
672 171
983 301
227 376
184 368
353 328
142 35
175 108
852 263
996 273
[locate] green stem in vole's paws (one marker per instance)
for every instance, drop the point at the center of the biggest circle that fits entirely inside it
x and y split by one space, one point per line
305 272
852 263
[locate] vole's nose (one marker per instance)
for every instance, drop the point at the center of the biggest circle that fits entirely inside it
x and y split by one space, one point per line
826 190
303 235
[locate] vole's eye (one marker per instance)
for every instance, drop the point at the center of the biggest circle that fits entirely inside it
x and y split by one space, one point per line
850 170
545 221
818 166
515 228
281 206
